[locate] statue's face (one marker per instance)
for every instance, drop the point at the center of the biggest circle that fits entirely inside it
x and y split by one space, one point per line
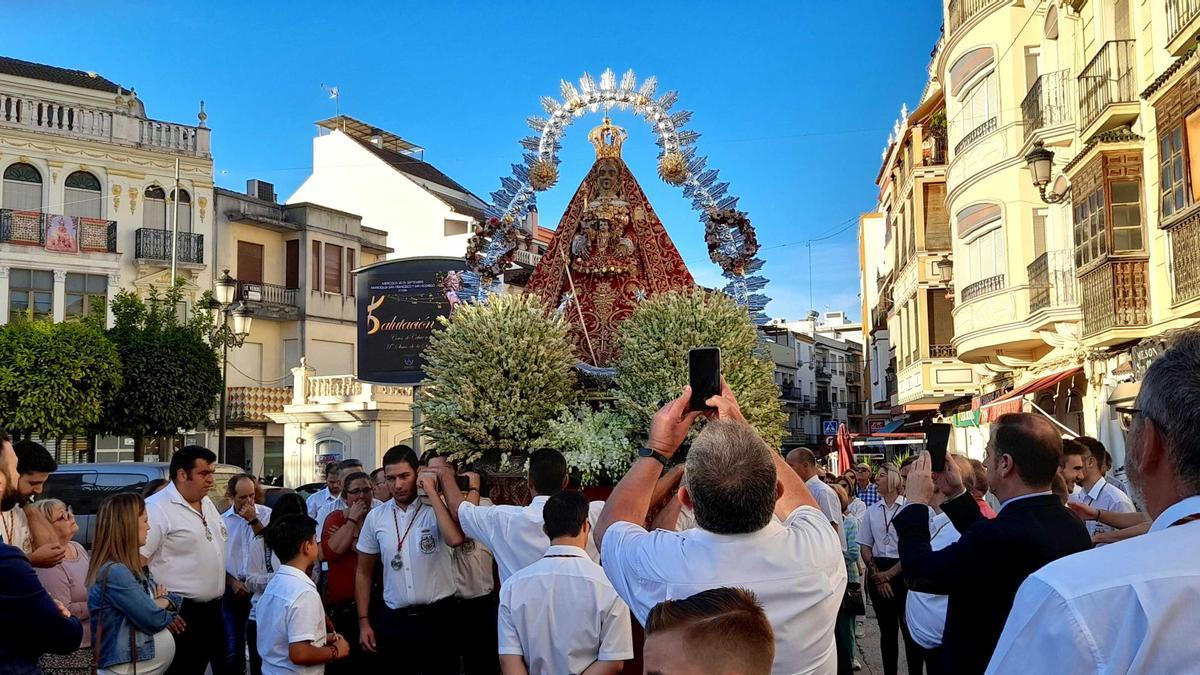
606 177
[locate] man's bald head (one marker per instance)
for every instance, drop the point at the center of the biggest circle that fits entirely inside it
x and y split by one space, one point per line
803 462
1034 445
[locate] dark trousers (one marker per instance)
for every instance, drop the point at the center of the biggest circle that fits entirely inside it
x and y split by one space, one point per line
478 644
202 643
252 639
418 640
890 614
235 610
345 621
933 662
843 637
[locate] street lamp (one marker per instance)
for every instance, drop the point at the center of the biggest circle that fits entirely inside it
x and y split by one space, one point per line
233 331
945 271
1041 163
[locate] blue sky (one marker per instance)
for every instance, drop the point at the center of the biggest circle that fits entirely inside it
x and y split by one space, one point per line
794 101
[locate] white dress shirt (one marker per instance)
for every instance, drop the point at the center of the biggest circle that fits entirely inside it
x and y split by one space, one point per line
241 534
16 527
473 567
926 612
290 611
828 500
261 565
514 533
1106 497
426 574
316 500
878 531
561 614
1129 607
795 568
856 508
186 547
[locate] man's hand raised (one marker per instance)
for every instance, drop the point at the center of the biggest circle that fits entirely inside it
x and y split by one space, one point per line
671 423
726 405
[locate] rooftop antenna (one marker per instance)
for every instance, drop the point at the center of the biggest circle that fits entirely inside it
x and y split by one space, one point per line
335 94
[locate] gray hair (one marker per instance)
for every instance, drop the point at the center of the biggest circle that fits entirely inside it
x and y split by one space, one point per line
731 479
48 506
1170 397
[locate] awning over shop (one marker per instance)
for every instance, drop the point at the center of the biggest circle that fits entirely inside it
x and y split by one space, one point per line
1124 393
1013 400
893 426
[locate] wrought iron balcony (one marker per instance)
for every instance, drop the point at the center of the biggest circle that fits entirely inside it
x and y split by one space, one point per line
1107 80
1048 102
270 294
155 244
1180 14
976 134
823 372
60 234
1115 294
1185 260
961 11
942 352
1052 281
853 376
823 405
983 287
790 393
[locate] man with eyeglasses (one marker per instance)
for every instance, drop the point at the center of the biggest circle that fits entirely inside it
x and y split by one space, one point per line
1129 607
382 487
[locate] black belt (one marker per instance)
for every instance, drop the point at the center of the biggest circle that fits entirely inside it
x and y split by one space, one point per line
422 610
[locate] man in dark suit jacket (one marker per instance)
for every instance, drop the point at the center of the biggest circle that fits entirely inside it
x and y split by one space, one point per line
982 571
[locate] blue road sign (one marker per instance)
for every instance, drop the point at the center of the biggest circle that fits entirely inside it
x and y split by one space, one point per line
829 427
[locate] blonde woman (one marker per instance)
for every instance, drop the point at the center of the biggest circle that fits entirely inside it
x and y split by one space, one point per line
132 617
66 582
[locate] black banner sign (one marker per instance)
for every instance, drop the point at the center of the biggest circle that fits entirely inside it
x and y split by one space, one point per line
399 302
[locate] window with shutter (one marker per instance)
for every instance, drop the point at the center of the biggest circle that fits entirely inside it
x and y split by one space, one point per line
333 268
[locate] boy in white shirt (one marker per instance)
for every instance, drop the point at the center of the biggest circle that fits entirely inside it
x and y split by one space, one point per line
291 618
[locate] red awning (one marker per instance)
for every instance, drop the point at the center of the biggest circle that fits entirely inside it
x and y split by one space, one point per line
1013 400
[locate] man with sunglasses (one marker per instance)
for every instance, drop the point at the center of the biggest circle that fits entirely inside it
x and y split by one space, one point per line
1129 607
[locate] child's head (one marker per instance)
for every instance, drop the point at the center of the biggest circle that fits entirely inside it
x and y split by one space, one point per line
292 538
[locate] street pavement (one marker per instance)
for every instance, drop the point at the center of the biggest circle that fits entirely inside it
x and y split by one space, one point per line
868 648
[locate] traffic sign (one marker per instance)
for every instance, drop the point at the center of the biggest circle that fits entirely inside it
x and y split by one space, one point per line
829 427
829 441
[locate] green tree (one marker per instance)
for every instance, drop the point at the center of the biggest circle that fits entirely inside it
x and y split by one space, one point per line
497 374
172 374
55 377
654 344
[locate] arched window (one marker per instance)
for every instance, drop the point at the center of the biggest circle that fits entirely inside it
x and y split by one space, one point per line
981 229
185 210
82 195
329 450
22 188
973 83
154 210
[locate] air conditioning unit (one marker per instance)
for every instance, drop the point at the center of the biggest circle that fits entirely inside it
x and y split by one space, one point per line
260 190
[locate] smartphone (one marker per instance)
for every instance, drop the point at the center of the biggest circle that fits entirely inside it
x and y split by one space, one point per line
704 375
464 483
937 437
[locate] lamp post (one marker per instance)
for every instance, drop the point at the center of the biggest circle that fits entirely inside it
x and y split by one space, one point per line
233 331
945 271
1041 163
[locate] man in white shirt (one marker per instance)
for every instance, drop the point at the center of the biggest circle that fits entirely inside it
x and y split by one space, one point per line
1132 606
291 635
514 533
244 519
1096 491
474 580
1071 465
734 483
186 551
329 493
804 463
561 614
721 631
413 630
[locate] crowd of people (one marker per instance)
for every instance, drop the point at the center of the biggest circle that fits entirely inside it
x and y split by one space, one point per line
735 559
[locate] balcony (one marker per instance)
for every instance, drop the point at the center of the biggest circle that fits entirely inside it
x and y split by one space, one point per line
528 259
983 287
58 234
822 405
1106 83
269 301
254 404
942 352
790 393
41 115
1048 103
1052 281
1185 261
155 245
823 372
1115 294
853 376
854 408
976 134
960 12
1182 25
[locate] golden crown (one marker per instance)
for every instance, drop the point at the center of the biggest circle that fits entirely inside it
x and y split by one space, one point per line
607 138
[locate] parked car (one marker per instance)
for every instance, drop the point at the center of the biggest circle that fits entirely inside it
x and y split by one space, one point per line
84 486
309 489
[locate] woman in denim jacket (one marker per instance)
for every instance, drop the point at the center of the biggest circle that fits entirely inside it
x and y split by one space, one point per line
132 617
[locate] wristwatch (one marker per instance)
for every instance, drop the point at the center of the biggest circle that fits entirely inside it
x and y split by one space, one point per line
654 454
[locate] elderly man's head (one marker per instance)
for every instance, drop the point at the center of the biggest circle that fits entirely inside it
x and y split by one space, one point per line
803 462
1163 450
731 483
